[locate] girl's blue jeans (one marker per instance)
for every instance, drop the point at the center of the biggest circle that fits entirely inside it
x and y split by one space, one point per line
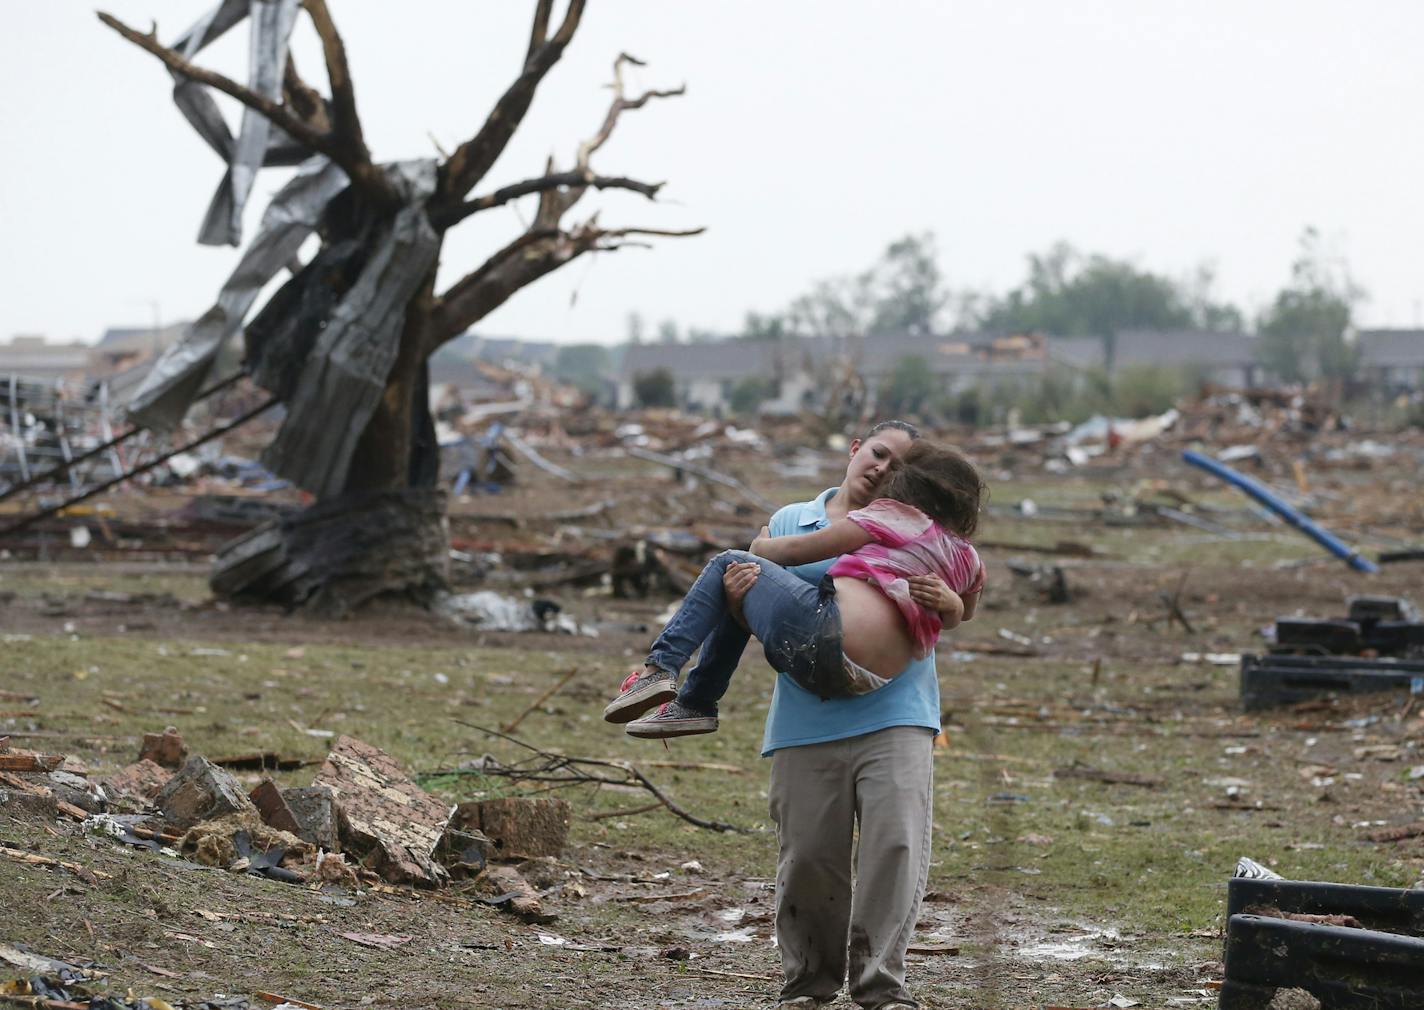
798 624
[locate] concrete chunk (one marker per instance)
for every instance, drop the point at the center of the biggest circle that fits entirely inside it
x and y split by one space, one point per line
314 809
201 791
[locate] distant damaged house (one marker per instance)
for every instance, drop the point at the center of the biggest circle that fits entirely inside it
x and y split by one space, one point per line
799 372
957 361
705 375
122 347
1391 360
33 357
1224 359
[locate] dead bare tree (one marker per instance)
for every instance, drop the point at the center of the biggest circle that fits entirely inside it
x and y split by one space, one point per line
344 343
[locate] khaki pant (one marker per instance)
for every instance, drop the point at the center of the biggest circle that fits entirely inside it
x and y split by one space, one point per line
818 793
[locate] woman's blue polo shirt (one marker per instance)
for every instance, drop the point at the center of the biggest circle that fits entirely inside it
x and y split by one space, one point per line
798 717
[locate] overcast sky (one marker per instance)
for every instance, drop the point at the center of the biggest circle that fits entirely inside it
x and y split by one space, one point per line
813 133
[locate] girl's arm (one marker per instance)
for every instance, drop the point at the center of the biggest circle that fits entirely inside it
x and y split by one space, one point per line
932 593
840 537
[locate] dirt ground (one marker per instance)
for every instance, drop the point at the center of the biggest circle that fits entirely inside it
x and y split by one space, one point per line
1048 885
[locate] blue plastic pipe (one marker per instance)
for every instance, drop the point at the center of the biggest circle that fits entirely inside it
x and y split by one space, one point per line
1262 494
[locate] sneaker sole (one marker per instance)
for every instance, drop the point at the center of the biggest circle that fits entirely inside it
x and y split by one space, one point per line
628 707
662 729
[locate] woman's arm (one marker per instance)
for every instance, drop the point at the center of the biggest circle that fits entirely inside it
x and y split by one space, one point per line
840 537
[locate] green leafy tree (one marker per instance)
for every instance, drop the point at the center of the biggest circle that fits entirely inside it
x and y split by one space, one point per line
635 327
911 387
756 326
905 290
902 292
1069 294
1302 332
750 393
656 388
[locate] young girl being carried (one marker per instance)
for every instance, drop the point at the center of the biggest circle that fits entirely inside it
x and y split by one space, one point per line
856 630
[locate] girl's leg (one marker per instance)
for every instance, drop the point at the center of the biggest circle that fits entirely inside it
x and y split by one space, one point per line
790 617
703 609
709 677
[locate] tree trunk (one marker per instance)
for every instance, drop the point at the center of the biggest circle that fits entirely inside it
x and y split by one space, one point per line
386 533
339 553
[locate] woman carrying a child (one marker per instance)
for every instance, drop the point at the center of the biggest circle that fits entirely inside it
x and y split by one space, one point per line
856 703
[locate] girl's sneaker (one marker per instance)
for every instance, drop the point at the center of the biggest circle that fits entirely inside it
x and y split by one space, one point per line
672 719
644 688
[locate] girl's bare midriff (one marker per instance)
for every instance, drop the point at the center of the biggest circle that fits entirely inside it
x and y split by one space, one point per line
873 631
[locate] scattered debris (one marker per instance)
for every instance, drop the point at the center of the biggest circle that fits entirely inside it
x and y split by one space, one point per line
1262 494
509 890
1347 947
1268 681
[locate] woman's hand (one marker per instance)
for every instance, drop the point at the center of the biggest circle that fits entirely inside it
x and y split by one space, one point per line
932 593
737 581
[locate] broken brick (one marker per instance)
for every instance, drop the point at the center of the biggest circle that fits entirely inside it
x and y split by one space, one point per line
166 749
267 798
518 827
142 780
385 817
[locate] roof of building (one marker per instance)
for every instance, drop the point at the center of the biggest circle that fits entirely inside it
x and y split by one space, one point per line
32 355
118 340
722 359
1391 348
1183 347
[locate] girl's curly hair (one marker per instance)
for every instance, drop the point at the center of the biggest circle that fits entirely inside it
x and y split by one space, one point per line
941 483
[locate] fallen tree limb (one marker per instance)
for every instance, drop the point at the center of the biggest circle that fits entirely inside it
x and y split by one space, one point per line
83 873
513 724
562 768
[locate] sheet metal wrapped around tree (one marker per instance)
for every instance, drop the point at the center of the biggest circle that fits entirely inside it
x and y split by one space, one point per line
343 377
180 374
344 343
258 143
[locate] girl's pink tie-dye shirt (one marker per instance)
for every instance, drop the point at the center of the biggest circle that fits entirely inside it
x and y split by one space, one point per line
908 542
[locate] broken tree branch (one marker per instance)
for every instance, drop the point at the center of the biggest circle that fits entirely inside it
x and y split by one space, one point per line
513 724
558 180
619 106
539 33
562 768
303 99
474 158
346 124
359 169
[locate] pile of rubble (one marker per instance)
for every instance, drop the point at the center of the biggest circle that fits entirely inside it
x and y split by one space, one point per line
361 821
